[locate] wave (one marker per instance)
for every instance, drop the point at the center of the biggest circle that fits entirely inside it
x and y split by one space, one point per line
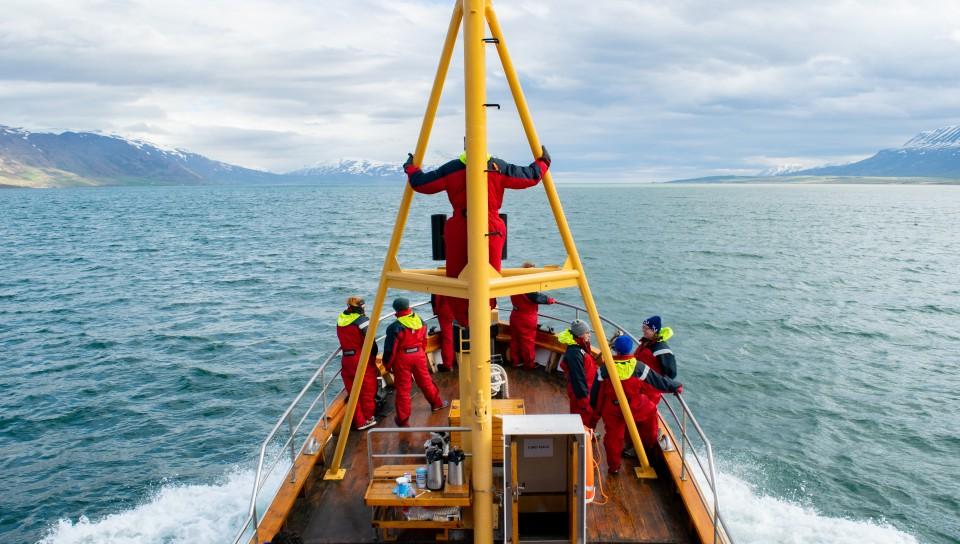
755 518
212 514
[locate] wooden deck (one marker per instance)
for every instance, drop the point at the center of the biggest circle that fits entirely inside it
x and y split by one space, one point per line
637 510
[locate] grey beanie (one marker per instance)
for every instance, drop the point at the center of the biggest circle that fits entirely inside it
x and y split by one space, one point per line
400 304
579 327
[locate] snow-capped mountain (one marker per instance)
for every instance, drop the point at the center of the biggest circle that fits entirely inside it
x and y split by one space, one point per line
42 159
781 170
350 169
932 153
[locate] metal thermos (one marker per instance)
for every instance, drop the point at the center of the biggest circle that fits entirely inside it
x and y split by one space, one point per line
434 469
455 466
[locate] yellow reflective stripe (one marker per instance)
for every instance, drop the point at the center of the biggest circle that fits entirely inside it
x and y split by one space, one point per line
346 319
666 333
411 321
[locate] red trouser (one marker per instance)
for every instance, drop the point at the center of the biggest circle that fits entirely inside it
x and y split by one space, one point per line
366 404
455 246
445 320
523 337
409 367
580 406
615 428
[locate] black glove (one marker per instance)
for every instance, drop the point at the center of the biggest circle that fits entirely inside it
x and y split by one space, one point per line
545 157
407 166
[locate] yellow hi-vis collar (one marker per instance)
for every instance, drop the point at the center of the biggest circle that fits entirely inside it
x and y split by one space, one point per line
625 367
411 321
463 157
346 319
566 337
666 333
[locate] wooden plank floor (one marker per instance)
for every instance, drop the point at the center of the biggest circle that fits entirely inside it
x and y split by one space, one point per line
636 511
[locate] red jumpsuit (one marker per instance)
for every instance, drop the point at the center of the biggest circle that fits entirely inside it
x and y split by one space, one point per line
445 319
581 370
351 328
452 178
404 354
523 328
659 357
608 408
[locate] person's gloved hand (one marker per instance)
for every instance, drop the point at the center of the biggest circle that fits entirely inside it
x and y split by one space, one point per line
409 167
679 389
545 157
551 301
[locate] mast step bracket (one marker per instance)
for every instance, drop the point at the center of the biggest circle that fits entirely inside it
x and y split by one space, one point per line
335 474
645 473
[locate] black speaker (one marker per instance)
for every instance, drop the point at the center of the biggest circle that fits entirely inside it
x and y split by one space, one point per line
437 222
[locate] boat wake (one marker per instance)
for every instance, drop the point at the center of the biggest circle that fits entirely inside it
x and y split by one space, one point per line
204 514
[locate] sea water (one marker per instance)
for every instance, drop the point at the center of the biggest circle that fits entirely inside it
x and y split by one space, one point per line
150 337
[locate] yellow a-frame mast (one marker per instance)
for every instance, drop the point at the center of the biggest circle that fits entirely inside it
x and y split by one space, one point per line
479 281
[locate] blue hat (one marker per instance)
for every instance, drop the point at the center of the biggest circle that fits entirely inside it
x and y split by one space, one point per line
623 345
653 322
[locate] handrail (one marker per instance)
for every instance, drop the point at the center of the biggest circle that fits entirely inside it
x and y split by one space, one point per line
261 475
371 456
710 472
686 413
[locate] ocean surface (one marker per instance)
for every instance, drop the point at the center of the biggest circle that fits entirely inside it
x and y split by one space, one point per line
150 337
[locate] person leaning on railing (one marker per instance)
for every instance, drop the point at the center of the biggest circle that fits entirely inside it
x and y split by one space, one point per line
633 376
351 330
654 352
523 326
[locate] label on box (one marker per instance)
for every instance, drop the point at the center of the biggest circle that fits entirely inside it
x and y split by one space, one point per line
538 447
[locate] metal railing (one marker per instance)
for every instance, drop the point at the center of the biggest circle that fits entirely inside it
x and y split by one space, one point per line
402 455
285 423
709 472
322 398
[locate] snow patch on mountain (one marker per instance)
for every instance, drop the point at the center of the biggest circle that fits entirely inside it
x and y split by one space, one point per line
350 167
941 138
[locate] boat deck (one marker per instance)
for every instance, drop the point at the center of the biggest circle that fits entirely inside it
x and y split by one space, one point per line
636 511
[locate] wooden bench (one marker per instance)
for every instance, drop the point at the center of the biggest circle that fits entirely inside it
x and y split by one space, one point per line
386 516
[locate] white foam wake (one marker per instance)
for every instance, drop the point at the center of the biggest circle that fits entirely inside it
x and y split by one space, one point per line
755 518
212 514
198 514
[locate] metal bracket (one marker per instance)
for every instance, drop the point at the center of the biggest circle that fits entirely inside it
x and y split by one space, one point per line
491 40
492 106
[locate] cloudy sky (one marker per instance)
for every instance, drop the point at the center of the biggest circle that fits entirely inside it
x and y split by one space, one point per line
637 89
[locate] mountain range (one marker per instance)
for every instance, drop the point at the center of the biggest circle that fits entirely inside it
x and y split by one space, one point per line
42 159
68 159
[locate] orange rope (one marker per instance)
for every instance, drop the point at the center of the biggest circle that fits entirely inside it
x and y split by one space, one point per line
597 452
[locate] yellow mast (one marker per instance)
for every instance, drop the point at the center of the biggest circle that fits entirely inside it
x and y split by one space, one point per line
478 272
479 281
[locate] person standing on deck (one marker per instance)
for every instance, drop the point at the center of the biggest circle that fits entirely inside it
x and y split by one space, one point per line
656 353
580 367
351 330
452 178
633 376
523 326
445 320
404 354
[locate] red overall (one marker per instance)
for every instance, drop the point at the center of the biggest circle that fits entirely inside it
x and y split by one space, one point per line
642 408
452 178
408 362
581 370
445 320
351 342
523 328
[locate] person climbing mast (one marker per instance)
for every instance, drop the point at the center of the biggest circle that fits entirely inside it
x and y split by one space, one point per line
452 178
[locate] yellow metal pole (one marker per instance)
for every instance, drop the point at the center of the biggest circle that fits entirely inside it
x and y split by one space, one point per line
335 472
478 256
645 470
